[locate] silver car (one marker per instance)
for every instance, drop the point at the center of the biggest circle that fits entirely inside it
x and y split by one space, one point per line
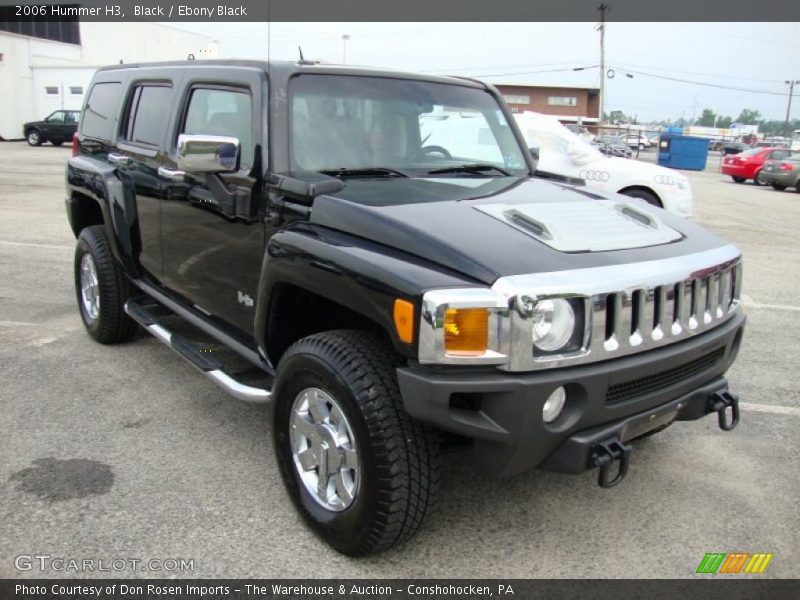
782 174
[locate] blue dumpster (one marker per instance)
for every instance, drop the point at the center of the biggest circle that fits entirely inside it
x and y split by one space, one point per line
682 152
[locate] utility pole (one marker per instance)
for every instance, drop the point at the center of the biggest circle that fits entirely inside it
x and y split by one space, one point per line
602 27
789 106
345 37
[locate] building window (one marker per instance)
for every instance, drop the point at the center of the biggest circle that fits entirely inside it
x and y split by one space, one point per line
562 101
76 90
51 90
57 28
517 99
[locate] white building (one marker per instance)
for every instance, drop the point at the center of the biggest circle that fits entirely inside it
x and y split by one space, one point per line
39 75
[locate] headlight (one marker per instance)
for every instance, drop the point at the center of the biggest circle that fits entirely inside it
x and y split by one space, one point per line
553 324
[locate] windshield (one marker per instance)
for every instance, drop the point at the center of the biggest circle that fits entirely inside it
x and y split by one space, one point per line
351 123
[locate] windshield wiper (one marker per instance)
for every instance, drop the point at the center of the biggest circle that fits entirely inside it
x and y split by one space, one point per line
364 172
473 168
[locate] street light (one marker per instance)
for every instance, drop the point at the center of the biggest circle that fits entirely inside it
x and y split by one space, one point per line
345 37
789 106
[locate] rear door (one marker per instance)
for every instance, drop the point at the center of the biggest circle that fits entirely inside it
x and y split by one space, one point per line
212 257
139 153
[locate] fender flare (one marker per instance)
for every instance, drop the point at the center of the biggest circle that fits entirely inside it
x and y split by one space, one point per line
115 194
361 276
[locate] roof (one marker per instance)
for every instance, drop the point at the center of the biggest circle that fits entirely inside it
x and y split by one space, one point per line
307 66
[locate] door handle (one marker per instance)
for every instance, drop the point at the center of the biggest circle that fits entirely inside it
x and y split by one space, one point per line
171 174
119 159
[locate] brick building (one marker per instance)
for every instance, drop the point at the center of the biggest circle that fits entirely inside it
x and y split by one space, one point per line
568 104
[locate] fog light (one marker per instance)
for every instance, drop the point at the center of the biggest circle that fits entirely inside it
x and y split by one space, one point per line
554 405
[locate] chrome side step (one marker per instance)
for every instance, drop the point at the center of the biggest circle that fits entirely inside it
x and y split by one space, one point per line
207 365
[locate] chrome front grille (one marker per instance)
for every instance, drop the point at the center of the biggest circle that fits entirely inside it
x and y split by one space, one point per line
642 317
629 308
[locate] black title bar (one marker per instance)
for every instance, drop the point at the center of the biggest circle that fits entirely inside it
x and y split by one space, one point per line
407 10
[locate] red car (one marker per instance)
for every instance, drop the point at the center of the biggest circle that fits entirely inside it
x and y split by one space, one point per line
748 164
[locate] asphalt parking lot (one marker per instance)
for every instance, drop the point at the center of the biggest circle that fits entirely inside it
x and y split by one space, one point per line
127 452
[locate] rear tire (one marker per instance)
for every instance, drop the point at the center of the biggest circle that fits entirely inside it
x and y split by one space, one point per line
757 179
101 289
57 143
738 179
648 197
391 484
778 186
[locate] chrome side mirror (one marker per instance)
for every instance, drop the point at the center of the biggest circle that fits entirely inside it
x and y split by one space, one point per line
208 153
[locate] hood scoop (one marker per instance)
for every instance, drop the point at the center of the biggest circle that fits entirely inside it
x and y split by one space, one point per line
598 226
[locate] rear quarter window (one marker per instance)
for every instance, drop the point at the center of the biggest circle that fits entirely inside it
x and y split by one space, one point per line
101 108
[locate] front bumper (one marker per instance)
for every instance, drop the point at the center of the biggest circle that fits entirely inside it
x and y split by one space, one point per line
502 412
675 199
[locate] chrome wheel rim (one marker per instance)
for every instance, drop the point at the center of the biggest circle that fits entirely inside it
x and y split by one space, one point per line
33 138
324 449
90 289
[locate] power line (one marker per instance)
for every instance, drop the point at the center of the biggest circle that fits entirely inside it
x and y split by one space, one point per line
704 83
626 65
517 66
535 72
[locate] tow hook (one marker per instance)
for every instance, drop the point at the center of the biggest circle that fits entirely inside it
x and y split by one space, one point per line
719 402
605 454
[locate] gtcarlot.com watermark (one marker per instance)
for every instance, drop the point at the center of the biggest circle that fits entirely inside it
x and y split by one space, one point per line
63 564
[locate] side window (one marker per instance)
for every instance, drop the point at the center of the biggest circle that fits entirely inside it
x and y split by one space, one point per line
222 112
779 154
101 105
57 117
148 113
73 117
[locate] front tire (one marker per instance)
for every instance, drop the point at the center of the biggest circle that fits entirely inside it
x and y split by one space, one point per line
34 138
101 289
362 473
757 180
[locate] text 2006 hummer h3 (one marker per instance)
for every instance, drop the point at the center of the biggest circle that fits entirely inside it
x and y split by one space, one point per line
379 251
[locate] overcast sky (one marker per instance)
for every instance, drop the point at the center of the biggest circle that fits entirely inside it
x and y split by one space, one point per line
753 56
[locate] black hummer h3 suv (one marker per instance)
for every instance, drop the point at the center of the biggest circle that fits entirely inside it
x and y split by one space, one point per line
373 254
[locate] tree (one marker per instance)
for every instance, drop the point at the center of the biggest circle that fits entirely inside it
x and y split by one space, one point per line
749 116
707 119
724 122
616 116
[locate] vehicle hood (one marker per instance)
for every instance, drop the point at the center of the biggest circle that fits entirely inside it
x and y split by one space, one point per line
487 228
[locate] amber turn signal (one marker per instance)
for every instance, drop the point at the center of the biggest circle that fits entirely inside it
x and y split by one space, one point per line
466 331
404 320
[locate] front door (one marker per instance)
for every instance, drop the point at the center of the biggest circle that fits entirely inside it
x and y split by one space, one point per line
55 128
210 256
